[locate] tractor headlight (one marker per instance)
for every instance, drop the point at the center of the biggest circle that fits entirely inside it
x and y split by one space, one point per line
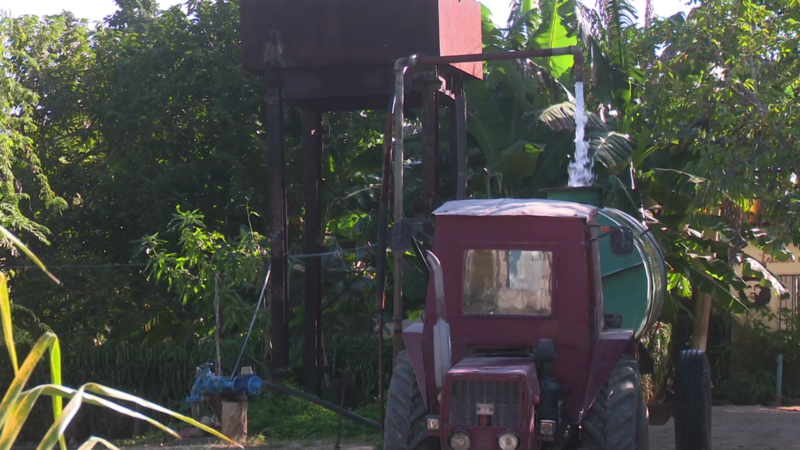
460 440
508 441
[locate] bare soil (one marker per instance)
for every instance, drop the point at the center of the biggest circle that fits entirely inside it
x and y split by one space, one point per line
734 428
742 427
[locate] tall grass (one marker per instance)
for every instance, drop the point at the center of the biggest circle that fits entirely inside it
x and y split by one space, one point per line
17 401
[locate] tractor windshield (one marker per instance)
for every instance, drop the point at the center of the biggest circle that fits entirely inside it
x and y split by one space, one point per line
508 282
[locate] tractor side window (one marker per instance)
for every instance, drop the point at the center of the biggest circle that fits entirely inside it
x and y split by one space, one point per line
508 282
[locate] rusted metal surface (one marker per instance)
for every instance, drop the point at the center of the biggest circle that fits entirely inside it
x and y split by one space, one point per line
342 88
576 52
327 33
278 233
459 151
312 155
430 145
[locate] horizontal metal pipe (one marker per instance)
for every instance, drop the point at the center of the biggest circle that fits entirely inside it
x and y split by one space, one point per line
267 386
576 52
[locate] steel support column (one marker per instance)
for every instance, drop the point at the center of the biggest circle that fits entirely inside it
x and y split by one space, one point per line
312 155
430 145
458 140
278 234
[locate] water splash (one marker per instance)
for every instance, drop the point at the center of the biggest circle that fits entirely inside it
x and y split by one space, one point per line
580 170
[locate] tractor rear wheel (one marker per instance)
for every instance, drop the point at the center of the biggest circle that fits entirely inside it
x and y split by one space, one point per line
615 420
405 427
692 403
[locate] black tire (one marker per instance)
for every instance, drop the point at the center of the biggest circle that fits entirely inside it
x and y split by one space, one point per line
615 420
692 403
405 427
643 425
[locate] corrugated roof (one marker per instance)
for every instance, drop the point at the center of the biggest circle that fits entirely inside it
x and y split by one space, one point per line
516 207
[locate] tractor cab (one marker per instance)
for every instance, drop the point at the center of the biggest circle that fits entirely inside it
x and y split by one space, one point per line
517 275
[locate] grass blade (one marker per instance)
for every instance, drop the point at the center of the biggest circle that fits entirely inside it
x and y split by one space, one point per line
5 315
119 395
15 240
55 378
12 394
62 391
14 424
94 440
56 431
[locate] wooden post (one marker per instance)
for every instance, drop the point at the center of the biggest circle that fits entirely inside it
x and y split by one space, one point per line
702 317
234 419
702 313
195 412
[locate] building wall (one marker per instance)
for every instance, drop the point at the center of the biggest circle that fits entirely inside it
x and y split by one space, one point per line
788 272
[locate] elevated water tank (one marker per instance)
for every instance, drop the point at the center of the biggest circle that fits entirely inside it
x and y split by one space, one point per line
315 49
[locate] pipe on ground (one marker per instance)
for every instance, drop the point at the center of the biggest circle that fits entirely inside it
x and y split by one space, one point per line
266 385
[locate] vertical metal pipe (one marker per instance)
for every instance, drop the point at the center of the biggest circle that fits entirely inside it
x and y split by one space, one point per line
430 147
312 155
278 247
399 119
383 229
218 326
779 380
460 110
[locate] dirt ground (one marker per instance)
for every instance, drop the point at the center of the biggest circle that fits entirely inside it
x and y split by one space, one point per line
734 427
742 427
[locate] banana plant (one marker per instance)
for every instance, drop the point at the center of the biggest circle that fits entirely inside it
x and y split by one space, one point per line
18 402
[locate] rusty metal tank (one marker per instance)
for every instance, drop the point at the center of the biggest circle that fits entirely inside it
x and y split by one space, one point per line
340 49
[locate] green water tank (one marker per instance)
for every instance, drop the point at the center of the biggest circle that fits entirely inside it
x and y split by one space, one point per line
634 286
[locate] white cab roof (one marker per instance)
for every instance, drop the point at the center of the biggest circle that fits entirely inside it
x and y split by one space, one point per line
516 207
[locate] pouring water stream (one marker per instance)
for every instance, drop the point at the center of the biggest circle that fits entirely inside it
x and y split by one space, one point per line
580 169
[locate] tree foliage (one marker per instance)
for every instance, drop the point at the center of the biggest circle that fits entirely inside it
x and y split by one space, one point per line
151 111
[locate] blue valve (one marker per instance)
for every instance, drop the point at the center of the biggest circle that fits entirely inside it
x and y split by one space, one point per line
215 384
203 373
247 384
207 383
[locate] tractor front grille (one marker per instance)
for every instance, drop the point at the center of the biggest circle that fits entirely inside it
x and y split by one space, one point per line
466 394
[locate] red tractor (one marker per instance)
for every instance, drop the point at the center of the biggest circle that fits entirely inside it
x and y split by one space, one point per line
530 338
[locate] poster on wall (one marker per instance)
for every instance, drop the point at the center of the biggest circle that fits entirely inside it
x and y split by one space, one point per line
763 297
755 295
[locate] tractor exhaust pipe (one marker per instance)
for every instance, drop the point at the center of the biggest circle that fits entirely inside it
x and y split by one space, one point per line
442 358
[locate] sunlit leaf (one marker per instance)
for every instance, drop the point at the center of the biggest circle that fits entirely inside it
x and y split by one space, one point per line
8 330
553 34
12 394
10 236
94 440
610 148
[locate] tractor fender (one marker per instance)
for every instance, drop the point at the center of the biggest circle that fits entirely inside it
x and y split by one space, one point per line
412 338
604 354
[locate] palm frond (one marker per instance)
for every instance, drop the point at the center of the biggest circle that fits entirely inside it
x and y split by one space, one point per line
617 16
610 148
561 117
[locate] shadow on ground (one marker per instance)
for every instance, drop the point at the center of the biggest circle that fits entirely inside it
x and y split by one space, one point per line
734 428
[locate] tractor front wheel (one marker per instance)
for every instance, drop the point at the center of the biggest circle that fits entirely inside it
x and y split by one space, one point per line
617 420
692 403
405 427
